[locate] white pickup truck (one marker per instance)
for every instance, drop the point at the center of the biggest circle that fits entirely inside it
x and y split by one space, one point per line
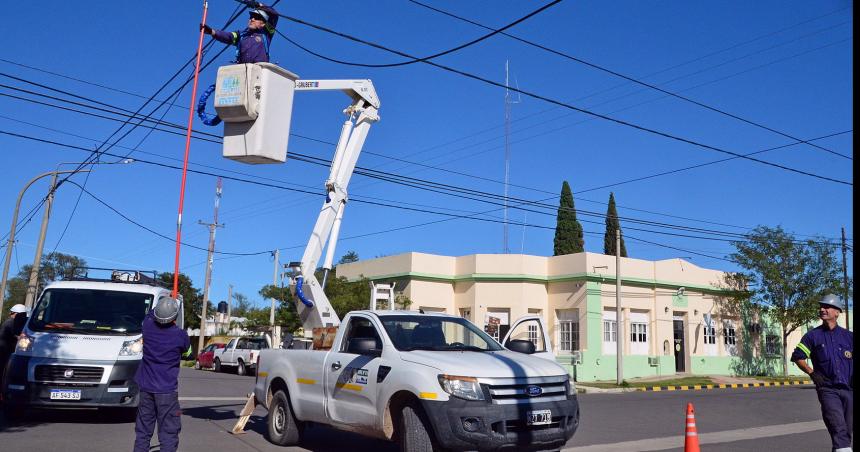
426 381
240 352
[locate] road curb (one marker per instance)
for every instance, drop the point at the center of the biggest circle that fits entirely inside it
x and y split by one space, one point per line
724 386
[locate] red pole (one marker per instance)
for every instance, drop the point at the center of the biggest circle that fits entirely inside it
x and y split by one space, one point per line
187 148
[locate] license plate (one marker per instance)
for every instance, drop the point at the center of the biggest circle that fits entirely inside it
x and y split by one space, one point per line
540 417
65 394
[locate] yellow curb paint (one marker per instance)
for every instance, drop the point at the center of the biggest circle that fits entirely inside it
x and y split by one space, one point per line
684 388
427 395
656 388
721 386
734 385
306 381
709 386
670 388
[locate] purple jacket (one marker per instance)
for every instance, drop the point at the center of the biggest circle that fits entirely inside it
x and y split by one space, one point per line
163 347
252 45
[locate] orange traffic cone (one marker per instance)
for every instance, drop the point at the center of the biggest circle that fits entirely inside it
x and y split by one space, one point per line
691 438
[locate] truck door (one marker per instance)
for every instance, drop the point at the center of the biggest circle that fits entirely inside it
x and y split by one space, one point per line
227 354
350 378
532 329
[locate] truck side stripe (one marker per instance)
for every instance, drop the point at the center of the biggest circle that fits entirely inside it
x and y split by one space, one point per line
306 381
350 386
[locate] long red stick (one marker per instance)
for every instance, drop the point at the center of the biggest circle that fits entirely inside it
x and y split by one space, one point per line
187 149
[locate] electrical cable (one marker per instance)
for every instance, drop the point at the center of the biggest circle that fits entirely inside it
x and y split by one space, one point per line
564 104
631 79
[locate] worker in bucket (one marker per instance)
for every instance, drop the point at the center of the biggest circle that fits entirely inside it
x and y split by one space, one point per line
252 44
164 344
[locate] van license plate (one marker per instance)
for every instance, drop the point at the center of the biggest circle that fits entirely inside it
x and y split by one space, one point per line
540 417
65 394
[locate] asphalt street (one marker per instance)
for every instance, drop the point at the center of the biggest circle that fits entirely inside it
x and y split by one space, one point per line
753 419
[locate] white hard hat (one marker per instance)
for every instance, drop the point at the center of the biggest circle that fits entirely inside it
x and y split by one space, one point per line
261 13
166 310
834 301
18 308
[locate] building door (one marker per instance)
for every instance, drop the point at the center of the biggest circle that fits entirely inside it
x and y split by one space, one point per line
678 328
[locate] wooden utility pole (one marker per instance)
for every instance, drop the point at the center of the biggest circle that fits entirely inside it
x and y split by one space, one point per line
845 282
212 227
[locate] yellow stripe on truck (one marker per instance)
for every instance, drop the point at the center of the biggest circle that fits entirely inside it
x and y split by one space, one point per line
427 395
306 381
350 386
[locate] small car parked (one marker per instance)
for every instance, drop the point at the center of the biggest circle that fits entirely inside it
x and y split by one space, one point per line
204 358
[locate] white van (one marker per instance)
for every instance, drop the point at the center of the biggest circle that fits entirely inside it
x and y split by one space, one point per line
82 344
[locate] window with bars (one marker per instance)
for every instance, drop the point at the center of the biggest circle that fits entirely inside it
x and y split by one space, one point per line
610 332
710 335
729 335
639 332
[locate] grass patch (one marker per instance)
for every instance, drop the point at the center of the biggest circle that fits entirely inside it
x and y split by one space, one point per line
783 379
684 381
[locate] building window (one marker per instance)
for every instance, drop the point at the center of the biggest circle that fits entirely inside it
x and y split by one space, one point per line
710 335
466 313
533 333
610 333
639 332
729 335
568 330
771 345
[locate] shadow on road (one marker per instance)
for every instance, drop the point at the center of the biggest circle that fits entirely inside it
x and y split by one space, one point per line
35 417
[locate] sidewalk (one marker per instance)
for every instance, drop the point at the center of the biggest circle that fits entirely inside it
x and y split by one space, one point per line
704 382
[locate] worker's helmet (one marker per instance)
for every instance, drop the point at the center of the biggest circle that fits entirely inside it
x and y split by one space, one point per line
18 308
166 310
833 301
260 13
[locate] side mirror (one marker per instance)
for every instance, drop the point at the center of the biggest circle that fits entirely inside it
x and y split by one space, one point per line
364 346
520 346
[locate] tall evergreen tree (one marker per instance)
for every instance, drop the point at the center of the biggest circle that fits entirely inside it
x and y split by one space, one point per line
612 225
568 231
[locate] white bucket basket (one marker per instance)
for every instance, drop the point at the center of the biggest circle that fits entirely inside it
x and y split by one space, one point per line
255 101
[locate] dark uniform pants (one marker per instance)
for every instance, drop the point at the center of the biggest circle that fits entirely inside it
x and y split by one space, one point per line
163 409
837 407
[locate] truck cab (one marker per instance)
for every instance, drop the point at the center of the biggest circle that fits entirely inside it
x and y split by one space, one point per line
82 344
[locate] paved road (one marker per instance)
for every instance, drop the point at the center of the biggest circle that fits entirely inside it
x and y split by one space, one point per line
784 418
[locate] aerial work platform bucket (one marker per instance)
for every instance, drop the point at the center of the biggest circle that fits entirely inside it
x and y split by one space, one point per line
255 101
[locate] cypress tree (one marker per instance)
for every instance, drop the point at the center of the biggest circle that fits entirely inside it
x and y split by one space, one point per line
612 225
568 231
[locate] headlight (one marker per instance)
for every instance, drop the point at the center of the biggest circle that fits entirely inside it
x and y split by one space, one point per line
132 348
462 387
571 385
25 343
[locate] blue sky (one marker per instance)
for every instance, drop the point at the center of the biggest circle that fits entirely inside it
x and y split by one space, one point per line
786 65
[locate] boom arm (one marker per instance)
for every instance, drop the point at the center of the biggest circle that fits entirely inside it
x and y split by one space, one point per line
315 310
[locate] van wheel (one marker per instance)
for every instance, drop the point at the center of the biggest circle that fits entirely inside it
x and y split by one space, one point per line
413 435
240 369
282 426
217 365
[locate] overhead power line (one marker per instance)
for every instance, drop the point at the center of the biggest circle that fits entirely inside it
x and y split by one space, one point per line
632 79
561 103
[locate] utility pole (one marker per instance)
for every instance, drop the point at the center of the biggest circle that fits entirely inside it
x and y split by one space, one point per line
212 227
229 305
277 255
37 259
619 325
845 281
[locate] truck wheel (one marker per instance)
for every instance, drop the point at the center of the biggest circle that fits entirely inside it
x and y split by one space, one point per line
240 368
413 435
282 426
217 365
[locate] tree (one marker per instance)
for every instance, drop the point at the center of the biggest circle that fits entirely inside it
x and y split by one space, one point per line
348 258
286 314
612 225
192 299
242 307
787 277
54 266
568 230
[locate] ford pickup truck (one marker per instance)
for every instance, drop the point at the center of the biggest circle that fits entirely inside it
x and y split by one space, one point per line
426 381
241 353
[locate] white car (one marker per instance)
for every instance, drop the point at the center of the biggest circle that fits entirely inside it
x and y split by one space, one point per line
426 381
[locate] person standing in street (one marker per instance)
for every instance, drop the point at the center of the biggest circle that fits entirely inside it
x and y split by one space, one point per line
164 345
9 331
252 44
831 348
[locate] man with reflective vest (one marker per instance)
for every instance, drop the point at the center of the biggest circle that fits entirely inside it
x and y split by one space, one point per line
252 43
164 344
830 348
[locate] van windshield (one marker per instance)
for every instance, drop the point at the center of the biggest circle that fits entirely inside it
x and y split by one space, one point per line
90 311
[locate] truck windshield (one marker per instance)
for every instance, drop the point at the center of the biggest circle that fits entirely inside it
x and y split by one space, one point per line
90 311
420 332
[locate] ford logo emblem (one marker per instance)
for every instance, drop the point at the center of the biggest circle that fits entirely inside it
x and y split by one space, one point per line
69 373
533 391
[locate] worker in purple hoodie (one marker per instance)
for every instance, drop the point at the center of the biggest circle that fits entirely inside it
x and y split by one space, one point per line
164 344
252 43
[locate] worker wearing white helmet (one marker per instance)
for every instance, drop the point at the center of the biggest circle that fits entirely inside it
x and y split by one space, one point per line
9 331
252 44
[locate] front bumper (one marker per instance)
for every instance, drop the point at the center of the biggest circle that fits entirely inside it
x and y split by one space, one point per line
501 427
118 390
